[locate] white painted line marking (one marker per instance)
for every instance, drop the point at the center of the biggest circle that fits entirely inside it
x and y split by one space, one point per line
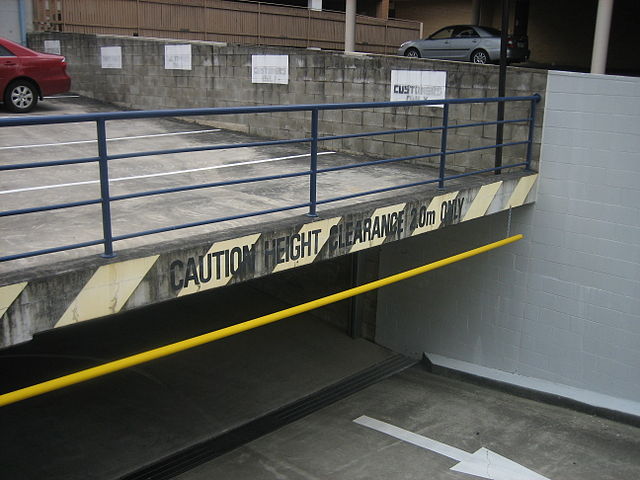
161 174
482 463
114 139
45 187
413 438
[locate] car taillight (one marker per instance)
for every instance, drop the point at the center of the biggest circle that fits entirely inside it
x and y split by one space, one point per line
510 42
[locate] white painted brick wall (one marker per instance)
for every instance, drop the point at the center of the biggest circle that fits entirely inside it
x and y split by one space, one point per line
9 20
564 304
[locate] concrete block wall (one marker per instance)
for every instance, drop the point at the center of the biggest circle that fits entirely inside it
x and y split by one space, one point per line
563 305
221 77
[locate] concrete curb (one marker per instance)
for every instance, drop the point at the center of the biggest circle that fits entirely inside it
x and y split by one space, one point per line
585 401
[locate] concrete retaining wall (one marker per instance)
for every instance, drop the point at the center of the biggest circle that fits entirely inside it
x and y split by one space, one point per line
564 304
221 77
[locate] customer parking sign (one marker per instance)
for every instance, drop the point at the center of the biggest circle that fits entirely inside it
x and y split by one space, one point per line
418 85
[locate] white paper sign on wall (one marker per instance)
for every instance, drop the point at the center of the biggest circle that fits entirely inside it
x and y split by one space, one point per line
270 69
418 85
52 46
177 57
111 57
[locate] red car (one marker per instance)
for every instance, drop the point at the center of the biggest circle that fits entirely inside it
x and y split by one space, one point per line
26 76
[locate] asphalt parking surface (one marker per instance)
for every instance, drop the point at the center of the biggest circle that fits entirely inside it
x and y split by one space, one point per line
20 189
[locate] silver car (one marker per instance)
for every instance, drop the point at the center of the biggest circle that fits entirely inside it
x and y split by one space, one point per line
468 43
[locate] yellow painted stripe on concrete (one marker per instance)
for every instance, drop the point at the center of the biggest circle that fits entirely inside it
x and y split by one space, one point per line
325 229
379 213
225 245
107 291
8 295
521 191
149 355
435 204
483 200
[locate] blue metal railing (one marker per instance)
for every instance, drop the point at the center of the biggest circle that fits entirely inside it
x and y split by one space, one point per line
104 157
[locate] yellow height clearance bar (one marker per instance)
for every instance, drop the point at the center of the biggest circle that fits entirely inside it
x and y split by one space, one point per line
88 374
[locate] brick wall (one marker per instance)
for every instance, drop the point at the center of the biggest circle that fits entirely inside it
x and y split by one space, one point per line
221 77
563 305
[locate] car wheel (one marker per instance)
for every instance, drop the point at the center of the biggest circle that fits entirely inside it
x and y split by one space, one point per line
21 96
480 56
412 52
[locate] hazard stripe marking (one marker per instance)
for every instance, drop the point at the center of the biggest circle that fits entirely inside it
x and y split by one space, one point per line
483 200
184 271
107 291
378 214
321 230
521 191
8 295
219 265
435 205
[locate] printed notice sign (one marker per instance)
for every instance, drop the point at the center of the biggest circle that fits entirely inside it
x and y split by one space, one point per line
270 69
52 46
111 57
177 57
418 85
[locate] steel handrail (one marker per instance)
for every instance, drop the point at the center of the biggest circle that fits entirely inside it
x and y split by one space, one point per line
194 112
104 158
173 348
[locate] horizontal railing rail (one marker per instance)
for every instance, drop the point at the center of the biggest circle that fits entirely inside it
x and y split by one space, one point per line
312 172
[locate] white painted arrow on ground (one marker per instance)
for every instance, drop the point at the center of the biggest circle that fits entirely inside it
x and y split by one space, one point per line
482 463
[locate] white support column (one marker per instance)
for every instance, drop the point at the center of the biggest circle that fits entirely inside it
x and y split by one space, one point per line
23 22
475 12
601 36
315 5
350 26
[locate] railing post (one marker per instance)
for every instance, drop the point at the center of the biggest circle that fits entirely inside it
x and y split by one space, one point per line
104 189
443 143
499 138
313 167
532 125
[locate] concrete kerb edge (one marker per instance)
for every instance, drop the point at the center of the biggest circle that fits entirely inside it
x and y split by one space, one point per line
580 400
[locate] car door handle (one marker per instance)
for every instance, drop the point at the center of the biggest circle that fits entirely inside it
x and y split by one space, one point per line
9 62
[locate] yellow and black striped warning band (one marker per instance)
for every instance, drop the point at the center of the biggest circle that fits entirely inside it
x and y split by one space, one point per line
123 285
